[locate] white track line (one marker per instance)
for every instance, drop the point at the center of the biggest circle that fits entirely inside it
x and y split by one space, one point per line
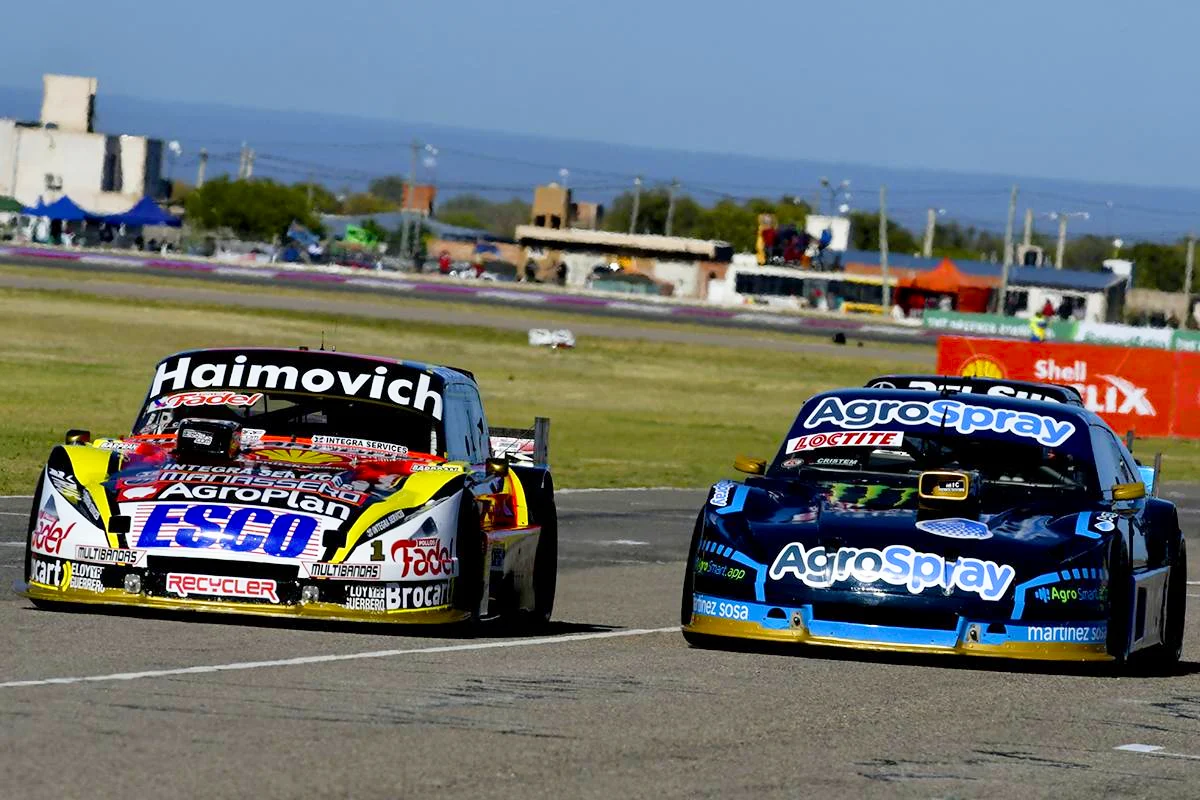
302 660
16 497
13 514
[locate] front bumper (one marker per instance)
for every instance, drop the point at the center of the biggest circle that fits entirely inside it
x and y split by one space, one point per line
299 610
1053 641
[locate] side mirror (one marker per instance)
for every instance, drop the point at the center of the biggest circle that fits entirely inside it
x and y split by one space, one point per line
496 466
750 466
76 436
1128 491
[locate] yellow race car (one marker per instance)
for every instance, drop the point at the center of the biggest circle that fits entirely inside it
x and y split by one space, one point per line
302 483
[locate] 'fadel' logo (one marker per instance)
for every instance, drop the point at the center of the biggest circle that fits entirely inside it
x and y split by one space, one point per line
243 530
48 533
422 557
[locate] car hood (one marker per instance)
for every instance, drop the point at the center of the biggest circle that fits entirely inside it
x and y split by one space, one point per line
798 533
305 493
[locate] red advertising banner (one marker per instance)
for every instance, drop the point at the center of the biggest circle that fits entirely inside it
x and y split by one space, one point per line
1130 388
1186 419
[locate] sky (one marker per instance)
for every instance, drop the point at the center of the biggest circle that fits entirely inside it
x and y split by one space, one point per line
1067 88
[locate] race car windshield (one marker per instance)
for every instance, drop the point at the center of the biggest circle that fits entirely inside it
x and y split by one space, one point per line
1009 448
356 423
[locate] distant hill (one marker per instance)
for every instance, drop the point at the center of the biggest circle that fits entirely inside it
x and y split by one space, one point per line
346 151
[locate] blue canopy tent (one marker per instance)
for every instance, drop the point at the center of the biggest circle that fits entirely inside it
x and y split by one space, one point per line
36 209
144 212
63 209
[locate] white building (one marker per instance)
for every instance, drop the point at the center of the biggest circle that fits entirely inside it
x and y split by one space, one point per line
62 153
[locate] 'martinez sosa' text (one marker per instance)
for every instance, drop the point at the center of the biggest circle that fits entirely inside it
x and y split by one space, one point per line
414 390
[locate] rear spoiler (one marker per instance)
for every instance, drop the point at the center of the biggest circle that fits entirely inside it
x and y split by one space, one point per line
523 445
1028 390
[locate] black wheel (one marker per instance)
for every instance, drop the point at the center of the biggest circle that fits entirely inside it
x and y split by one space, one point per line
685 604
543 512
471 546
1120 600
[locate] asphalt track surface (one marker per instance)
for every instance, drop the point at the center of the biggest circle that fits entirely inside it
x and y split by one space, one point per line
611 703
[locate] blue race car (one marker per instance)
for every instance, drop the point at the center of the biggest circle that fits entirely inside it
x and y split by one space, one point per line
972 521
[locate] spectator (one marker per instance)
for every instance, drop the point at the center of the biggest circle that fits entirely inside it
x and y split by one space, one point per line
945 303
1048 309
1039 324
444 262
1064 309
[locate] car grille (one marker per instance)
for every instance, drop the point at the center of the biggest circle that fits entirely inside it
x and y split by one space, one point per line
887 616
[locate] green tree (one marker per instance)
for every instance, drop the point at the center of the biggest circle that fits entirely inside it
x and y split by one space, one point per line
323 200
257 209
497 217
1158 266
389 187
366 203
864 234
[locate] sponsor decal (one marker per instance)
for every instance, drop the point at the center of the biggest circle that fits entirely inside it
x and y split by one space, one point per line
720 493
1054 594
89 577
842 439
345 572
435 468
107 555
48 533
331 487
384 523
397 597
115 445
1015 392
199 437
286 498
192 399
362 444
46 572
137 492
64 484
1074 634
706 567
423 557
898 565
1120 396
242 530
792 462
251 436
186 584
955 528
950 414
295 456
836 462
393 383
717 608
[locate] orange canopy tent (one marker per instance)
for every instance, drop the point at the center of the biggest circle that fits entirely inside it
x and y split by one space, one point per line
972 291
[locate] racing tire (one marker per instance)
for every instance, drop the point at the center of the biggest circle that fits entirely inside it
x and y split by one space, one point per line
685 606
1120 601
543 512
1162 658
471 546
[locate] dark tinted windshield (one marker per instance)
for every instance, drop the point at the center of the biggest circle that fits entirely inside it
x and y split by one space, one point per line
351 422
1024 449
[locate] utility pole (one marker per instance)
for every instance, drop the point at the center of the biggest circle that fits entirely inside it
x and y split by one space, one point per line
1062 241
310 190
1028 240
202 168
930 223
1187 277
1002 298
406 199
637 199
249 164
883 249
671 205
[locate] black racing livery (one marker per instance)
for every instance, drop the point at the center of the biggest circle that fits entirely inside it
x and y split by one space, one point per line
975 523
